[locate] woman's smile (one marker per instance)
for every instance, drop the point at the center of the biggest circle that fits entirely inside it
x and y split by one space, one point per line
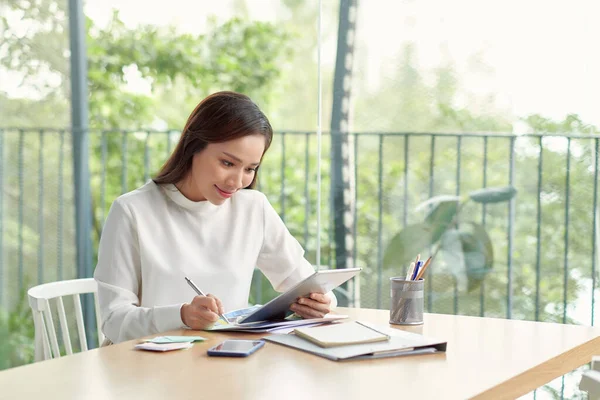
225 193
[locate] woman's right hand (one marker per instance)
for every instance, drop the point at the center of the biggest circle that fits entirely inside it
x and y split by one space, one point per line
202 312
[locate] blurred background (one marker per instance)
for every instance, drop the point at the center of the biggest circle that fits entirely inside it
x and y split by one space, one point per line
463 129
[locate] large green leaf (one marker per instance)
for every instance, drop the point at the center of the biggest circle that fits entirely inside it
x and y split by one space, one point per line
478 253
493 194
467 253
442 210
451 253
405 246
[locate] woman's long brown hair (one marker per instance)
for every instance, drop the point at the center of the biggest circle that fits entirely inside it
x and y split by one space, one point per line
220 117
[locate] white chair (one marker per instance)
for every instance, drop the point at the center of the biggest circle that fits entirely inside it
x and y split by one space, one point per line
46 343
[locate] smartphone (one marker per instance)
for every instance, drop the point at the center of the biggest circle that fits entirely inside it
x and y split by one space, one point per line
236 348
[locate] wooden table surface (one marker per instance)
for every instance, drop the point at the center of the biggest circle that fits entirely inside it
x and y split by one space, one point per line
487 358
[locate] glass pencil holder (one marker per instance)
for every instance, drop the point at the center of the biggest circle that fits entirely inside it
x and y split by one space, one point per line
406 301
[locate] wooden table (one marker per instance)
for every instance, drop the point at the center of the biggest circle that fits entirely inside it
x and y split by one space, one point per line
487 358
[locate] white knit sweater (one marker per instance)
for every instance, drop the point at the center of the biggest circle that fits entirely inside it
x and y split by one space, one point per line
154 237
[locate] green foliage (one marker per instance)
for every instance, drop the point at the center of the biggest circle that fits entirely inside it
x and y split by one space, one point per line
237 55
410 240
16 335
441 214
247 57
493 195
407 102
572 123
478 252
466 248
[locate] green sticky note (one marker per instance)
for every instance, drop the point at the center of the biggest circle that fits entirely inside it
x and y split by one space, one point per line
177 339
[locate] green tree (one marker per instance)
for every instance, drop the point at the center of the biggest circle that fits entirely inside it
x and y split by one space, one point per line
293 104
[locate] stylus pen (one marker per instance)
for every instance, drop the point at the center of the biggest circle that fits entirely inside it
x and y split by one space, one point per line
197 289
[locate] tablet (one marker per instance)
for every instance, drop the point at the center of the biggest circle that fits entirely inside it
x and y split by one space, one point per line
319 282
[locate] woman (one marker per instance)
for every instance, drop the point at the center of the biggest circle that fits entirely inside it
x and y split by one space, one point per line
195 220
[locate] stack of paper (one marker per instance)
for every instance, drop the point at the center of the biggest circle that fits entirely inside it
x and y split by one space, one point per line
168 343
176 339
163 347
400 343
276 326
238 314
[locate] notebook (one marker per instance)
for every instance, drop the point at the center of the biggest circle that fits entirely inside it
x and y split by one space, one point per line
341 334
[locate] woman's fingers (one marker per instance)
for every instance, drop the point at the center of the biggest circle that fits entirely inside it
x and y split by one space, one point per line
200 318
220 309
317 305
207 315
324 308
209 302
321 298
197 318
314 304
306 312
202 312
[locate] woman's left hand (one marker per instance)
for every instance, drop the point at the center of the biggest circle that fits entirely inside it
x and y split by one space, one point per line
314 306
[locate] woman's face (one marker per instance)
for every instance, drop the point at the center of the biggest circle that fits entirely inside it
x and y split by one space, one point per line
221 169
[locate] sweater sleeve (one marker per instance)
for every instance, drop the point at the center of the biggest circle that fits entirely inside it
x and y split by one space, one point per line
119 278
281 258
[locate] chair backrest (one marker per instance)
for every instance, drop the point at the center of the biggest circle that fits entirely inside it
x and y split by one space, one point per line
46 342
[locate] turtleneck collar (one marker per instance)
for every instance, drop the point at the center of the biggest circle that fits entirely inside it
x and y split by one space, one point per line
202 207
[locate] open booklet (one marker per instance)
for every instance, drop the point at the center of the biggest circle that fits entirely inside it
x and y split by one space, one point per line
278 326
400 343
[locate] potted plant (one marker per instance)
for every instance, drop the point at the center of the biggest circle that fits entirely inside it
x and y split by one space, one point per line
465 248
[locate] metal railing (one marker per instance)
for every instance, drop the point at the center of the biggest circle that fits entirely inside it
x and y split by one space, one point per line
544 240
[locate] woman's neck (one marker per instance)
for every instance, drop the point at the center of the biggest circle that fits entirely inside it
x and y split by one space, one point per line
189 190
